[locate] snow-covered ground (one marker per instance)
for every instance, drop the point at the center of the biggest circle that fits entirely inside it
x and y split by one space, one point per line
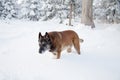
20 60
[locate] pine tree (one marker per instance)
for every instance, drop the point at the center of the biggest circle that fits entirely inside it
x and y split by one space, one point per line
107 11
8 9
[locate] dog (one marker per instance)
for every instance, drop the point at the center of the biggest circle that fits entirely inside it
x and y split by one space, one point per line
55 42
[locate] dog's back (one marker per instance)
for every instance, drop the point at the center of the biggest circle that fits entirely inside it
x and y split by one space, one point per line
65 37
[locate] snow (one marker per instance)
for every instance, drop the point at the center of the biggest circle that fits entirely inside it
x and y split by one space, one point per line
20 60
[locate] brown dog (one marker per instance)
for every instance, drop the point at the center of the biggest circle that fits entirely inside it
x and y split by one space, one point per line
58 41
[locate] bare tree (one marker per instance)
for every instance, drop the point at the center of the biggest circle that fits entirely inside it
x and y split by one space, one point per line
71 3
87 13
70 16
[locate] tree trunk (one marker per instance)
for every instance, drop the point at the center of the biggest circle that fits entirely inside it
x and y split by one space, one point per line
70 16
87 13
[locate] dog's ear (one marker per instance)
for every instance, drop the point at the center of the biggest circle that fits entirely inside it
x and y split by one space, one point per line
46 35
39 36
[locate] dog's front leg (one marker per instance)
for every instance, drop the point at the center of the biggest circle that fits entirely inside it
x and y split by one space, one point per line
54 55
58 54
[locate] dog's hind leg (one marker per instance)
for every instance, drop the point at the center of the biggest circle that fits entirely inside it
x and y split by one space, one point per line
77 45
69 49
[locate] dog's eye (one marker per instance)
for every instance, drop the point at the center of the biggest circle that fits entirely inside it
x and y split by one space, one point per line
43 43
48 39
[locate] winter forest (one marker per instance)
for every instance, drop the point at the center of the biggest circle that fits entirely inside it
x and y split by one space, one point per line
35 10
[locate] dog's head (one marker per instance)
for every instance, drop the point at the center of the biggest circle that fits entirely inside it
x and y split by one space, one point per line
44 42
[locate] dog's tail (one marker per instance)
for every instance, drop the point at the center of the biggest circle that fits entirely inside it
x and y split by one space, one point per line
81 40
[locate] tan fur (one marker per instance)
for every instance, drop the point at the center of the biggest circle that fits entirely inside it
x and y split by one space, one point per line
64 39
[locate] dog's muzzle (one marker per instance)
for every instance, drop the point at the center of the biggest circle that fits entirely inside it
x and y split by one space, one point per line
41 50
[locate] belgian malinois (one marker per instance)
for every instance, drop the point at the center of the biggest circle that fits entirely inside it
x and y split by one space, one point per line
55 42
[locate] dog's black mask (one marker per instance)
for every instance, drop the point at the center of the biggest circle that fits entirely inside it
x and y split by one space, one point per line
44 42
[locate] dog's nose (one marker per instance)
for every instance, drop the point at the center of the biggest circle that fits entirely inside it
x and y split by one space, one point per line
40 51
